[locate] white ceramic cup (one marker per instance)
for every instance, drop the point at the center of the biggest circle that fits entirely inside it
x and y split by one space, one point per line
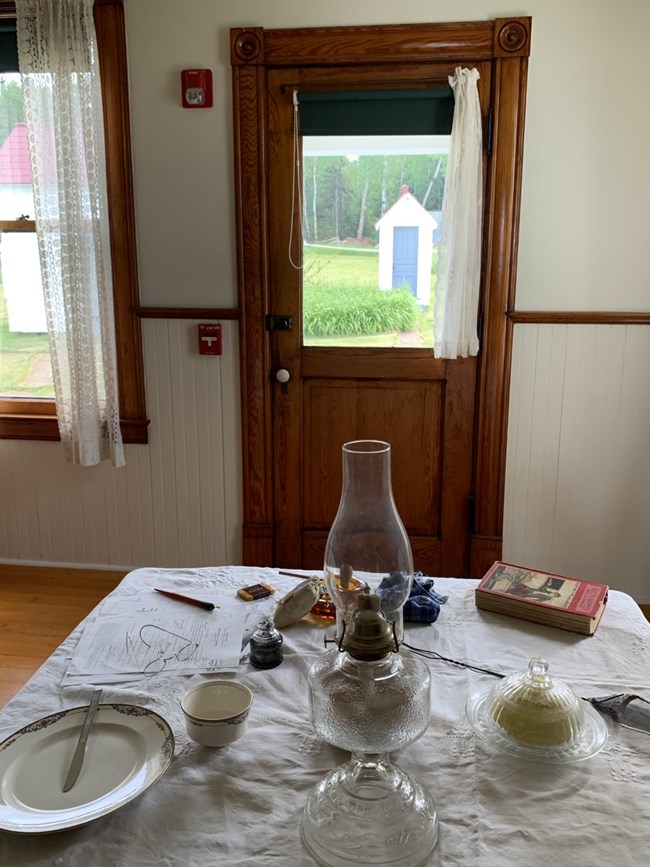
216 712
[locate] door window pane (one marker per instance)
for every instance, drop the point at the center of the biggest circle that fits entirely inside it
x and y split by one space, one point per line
371 224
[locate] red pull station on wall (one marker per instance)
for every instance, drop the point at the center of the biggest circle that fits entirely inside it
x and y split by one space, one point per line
210 340
197 88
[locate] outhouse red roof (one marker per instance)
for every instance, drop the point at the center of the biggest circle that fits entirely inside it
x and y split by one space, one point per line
406 196
14 157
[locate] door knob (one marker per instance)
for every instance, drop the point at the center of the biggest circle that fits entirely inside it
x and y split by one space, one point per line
283 376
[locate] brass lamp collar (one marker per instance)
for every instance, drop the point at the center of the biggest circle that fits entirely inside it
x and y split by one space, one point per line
370 636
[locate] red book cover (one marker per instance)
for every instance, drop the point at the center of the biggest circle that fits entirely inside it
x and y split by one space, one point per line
571 596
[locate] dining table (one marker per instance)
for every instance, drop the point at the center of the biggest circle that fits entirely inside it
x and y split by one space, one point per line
242 804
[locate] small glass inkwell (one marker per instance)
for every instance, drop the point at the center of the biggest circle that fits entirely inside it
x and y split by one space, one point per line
266 645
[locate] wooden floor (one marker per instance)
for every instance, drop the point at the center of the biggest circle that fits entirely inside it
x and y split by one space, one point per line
39 608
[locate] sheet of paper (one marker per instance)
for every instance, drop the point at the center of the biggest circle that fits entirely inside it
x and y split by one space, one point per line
143 636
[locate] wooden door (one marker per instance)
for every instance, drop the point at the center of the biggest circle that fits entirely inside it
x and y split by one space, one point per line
445 420
422 406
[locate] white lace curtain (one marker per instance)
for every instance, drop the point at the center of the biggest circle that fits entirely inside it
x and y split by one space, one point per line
57 52
459 251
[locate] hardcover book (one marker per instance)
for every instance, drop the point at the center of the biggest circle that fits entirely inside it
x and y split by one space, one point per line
542 597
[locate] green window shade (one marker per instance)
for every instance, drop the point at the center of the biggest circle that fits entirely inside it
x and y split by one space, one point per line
376 112
8 46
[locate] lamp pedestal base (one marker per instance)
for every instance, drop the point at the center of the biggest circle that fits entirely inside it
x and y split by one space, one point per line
369 811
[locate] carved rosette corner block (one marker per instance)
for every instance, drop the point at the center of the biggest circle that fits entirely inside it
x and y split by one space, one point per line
512 37
247 46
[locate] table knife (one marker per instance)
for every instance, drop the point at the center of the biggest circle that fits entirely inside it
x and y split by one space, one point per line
80 750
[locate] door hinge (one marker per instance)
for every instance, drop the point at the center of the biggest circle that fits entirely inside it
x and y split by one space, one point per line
488 131
279 323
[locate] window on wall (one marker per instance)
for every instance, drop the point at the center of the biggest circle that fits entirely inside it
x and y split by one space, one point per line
371 223
27 409
374 167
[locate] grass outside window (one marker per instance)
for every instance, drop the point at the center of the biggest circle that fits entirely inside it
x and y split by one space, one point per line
343 306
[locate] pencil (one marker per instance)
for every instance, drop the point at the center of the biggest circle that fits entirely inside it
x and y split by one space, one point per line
209 606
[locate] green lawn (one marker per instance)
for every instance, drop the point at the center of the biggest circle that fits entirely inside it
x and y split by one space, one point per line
351 268
328 263
18 355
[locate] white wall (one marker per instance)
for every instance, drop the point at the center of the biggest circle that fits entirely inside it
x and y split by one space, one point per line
583 247
579 453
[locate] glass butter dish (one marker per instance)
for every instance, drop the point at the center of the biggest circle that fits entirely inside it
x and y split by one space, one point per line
536 717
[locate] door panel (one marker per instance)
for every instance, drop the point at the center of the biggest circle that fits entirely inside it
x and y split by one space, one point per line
336 411
426 423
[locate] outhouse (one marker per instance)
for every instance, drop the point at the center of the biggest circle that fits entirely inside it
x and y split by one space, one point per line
406 247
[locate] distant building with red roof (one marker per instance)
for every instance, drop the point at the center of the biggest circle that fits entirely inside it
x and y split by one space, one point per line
16 197
14 157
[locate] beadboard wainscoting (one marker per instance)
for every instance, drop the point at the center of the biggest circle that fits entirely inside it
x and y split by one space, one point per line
177 502
577 497
577 483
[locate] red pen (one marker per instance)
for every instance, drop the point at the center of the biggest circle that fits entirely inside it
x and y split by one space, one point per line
209 606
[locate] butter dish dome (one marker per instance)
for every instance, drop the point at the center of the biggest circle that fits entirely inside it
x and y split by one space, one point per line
534 716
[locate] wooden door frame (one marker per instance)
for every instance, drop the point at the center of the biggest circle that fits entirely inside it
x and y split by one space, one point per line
505 43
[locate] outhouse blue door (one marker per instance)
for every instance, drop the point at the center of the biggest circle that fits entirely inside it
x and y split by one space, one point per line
405 257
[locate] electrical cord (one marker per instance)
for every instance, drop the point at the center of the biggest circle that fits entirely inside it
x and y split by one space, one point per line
432 654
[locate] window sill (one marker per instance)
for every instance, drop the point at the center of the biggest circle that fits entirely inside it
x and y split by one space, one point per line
45 427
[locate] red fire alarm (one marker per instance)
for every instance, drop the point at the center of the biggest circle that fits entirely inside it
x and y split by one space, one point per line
197 88
210 339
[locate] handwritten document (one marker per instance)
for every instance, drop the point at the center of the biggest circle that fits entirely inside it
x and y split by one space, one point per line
144 636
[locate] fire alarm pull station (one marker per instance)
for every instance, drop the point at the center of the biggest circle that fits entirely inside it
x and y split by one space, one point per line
210 340
197 88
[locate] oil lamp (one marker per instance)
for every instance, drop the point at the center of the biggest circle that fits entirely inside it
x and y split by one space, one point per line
367 696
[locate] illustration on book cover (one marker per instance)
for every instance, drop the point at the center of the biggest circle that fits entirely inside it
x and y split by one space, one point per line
535 586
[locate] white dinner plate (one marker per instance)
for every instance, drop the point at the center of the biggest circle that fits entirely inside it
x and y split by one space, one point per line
128 749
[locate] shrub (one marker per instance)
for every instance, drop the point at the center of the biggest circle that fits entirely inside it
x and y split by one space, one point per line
332 309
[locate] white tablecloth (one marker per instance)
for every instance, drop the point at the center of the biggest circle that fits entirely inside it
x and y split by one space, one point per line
242 805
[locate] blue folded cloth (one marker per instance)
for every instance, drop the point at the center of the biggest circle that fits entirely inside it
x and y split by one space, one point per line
423 604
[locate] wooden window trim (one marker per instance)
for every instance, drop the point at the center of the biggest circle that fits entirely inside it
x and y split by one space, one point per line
36 419
17 226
